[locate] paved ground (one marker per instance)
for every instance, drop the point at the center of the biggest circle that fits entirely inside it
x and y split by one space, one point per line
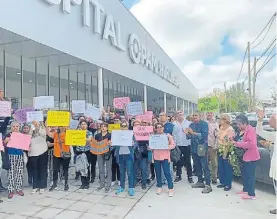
91 204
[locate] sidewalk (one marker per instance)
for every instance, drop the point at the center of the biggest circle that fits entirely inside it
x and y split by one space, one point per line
191 203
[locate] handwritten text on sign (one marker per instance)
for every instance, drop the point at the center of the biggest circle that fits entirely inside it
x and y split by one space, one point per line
208 104
58 118
35 116
120 102
146 118
158 141
5 108
134 109
99 148
75 137
142 133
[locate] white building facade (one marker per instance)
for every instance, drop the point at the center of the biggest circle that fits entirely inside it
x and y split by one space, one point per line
86 49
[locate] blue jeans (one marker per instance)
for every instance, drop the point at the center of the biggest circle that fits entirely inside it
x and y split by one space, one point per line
126 162
141 165
248 177
201 165
159 164
225 170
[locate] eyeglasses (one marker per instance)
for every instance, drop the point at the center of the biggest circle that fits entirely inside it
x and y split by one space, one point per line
159 127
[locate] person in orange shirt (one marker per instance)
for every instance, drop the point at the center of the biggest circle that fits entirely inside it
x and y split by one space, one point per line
61 157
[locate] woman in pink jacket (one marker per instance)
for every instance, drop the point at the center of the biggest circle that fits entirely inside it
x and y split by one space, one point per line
162 160
250 157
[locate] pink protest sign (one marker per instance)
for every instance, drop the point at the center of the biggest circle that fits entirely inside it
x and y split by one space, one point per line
19 141
147 118
1 143
5 108
142 133
150 113
20 115
120 102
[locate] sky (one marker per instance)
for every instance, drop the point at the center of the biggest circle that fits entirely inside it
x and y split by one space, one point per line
207 38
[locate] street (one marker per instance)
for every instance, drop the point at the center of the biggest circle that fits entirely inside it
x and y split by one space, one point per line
91 204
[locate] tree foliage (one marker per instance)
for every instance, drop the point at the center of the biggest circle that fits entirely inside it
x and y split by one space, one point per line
236 97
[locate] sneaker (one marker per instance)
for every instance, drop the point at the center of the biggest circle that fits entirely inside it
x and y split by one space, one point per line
159 191
119 190
220 186
85 187
152 178
143 186
113 183
190 180
66 187
41 191
118 183
10 195
214 181
34 191
20 193
170 193
241 193
2 189
227 188
248 197
207 189
1 200
131 191
100 187
274 211
108 190
91 181
198 185
82 187
53 187
148 181
178 179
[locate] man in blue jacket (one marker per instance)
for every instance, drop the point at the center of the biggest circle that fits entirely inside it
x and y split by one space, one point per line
198 133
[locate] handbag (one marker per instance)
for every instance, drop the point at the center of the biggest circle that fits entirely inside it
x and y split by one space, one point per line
201 150
175 154
64 155
106 156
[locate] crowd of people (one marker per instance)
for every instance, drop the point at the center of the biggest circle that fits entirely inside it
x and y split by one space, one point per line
203 147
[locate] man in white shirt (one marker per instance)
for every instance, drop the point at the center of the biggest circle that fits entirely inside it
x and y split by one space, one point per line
184 145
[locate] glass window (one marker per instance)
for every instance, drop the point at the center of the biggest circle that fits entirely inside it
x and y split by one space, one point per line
29 82
54 84
42 79
106 93
88 87
1 70
13 83
64 98
111 92
81 86
73 85
94 82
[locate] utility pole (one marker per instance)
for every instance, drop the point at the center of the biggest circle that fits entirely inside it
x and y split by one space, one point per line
225 97
249 78
254 84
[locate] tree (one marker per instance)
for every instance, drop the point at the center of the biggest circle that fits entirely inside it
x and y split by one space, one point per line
236 98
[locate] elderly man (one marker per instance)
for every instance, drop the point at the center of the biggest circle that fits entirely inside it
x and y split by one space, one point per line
271 137
212 146
183 143
198 133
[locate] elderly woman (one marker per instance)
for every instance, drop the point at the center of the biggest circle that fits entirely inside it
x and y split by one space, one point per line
250 157
271 137
15 172
226 132
38 157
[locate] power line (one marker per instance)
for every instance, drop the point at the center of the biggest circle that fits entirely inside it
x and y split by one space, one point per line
242 63
273 16
264 35
265 63
266 49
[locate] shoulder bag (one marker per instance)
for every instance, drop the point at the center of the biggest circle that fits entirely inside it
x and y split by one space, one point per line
64 155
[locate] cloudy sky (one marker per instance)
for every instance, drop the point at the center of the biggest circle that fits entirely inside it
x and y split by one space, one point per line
207 38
